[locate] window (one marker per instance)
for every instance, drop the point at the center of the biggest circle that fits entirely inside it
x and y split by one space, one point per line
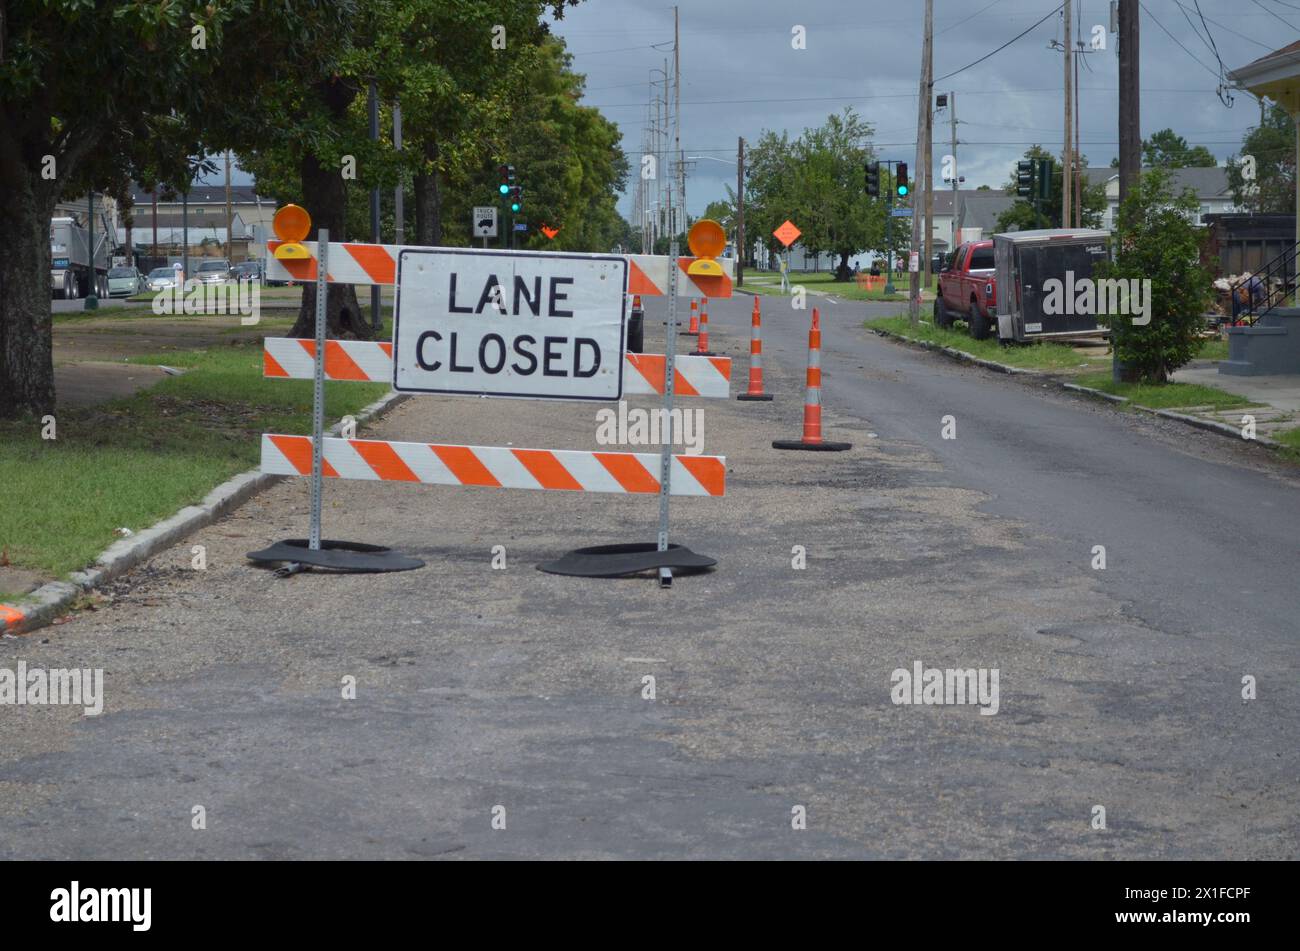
982 260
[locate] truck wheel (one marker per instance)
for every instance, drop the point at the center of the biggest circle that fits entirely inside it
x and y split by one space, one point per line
979 324
73 290
942 318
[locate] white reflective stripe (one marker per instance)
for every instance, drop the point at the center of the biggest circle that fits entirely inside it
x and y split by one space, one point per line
588 472
347 462
274 461
684 483
505 467
424 462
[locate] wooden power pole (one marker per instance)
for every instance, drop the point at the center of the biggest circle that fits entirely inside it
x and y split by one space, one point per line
1130 134
923 129
1067 155
740 214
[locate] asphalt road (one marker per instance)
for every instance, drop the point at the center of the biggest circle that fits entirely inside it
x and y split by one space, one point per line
479 688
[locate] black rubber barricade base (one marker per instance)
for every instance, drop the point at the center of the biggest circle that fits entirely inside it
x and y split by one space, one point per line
619 561
799 446
337 556
763 398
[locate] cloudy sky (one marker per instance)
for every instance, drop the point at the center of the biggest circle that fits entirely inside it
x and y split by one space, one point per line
740 74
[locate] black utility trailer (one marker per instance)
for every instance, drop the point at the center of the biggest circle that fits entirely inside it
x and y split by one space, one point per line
1025 261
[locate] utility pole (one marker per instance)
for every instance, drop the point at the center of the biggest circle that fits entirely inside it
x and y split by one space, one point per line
922 155
1067 163
399 196
374 200
928 250
677 121
1130 135
229 218
1078 176
956 178
740 214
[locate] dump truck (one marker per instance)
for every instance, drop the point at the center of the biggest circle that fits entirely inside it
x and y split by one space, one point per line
1035 268
71 269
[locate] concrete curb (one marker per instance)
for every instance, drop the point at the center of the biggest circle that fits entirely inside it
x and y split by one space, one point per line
55 598
960 355
1209 425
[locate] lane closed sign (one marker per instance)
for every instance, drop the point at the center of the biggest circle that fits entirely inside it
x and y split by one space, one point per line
517 324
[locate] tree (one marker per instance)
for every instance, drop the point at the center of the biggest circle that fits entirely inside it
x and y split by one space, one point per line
1022 217
817 182
1167 149
1157 239
1269 152
93 93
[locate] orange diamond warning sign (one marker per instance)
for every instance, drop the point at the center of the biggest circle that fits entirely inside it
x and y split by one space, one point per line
787 234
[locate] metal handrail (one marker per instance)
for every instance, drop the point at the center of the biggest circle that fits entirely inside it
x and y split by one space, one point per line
1277 287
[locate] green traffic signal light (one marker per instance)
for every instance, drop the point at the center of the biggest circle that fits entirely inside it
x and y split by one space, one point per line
505 189
515 206
902 191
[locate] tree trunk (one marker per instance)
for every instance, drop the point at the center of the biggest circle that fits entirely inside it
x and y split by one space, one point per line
327 198
428 201
842 272
26 325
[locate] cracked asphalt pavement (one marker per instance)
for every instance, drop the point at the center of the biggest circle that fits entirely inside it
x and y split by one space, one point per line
478 688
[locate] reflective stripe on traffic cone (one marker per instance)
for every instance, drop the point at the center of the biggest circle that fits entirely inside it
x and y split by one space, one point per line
756 394
812 405
702 347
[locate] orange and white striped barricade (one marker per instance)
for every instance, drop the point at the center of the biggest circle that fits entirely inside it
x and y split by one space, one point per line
755 393
812 405
368 264
484 323
295 555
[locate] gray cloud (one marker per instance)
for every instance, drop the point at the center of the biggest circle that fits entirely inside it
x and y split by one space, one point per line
740 74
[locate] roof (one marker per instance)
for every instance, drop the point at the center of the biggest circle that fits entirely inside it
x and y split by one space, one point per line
983 209
1205 182
203 193
1049 234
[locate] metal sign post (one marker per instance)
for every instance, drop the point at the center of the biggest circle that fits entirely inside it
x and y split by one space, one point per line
670 381
318 392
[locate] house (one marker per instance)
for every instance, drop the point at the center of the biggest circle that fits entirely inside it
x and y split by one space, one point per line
977 209
1209 184
251 216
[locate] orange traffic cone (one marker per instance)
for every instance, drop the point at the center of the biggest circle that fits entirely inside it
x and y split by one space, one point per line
694 329
702 347
756 394
812 404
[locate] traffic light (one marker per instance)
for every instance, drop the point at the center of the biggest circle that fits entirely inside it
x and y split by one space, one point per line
516 199
1024 179
903 189
1045 179
873 179
507 173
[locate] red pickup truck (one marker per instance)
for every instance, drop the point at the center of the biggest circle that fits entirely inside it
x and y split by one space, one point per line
968 290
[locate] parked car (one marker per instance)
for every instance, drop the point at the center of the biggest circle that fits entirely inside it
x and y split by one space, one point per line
968 289
215 271
161 278
247 271
124 282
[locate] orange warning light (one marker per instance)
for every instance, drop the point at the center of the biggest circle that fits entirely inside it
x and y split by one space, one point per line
291 224
707 240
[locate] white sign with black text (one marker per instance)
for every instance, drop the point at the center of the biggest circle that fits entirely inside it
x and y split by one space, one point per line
485 221
517 324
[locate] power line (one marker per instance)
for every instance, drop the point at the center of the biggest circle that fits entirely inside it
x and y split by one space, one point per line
1271 13
1209 69
1003 46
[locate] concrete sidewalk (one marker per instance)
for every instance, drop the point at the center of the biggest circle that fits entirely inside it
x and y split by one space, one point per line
1278 396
